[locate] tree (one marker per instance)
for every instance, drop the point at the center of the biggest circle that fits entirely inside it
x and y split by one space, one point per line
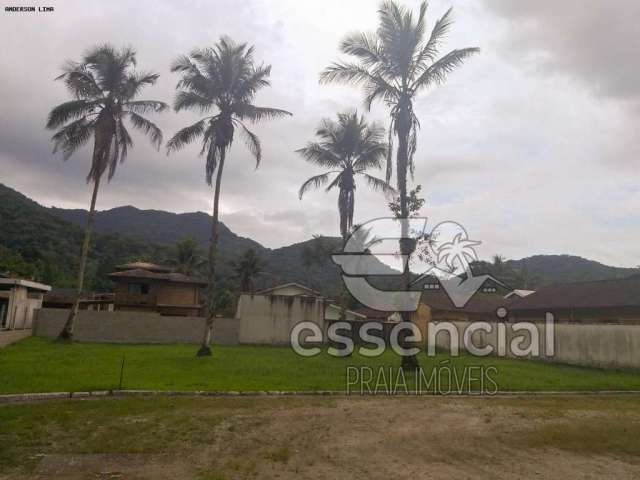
348 147
246 268
105 86
394 65
223 79
187 256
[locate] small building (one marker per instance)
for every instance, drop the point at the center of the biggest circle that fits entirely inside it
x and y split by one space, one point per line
18 301
593 302
289 289
142 286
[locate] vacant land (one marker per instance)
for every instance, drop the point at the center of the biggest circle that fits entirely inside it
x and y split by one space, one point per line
39 365
364 437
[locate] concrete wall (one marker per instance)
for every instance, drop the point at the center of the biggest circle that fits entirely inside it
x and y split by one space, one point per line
602 346
12 336
269 319
134 327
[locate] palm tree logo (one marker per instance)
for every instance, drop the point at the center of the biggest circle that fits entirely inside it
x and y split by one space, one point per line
454 258
458 254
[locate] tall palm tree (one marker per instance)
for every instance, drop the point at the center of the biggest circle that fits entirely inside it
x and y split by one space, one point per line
394 65
224 80
246 268
105 86
348 147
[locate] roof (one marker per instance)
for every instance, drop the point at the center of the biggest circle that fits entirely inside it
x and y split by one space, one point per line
148 275
372 313
479 303
355 313
272 290
594 294
152 267
25 283
519 293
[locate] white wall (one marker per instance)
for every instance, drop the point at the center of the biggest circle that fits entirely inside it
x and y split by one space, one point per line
602 346
269 319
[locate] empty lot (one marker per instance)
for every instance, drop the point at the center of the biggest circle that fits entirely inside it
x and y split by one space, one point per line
560 437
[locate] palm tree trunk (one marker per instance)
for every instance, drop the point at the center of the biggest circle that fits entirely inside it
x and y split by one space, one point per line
410 362
205 348
67 331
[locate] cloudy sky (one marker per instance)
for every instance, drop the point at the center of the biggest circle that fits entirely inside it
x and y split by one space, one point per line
533 145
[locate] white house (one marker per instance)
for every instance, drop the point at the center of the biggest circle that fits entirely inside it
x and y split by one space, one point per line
18 300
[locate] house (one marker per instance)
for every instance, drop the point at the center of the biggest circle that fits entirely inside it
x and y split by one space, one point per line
18 300
332 312
269 316
65 297
142 286
289 289
602 302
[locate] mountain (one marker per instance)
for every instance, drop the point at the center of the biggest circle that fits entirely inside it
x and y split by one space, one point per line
46 242
567 268
160 227
36 243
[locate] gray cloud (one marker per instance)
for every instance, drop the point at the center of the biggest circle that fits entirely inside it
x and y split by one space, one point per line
594 41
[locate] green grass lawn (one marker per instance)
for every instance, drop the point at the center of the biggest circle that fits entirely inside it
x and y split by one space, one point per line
39 365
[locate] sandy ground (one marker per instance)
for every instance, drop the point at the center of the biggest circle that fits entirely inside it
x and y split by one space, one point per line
372 438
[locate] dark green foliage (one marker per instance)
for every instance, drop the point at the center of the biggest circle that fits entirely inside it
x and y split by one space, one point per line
36 244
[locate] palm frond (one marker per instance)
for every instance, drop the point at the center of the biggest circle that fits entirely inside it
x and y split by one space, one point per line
352 73
69 111
365 47
429 50
72 136
146 106
147 127
319 155
189 100
186 136
246 111
316 181
80 81
437 72
378 184
252 142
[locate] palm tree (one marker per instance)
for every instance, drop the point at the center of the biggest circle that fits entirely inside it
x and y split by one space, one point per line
246 269
187 256
348 147
223 79
104 85
394 65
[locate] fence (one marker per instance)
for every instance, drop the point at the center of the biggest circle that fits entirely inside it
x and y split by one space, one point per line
134 327
602 346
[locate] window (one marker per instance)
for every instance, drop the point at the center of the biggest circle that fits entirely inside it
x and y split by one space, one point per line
139 288
489 290
4 305
431 286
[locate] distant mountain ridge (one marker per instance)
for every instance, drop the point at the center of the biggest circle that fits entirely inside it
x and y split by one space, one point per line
126 233
158 226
